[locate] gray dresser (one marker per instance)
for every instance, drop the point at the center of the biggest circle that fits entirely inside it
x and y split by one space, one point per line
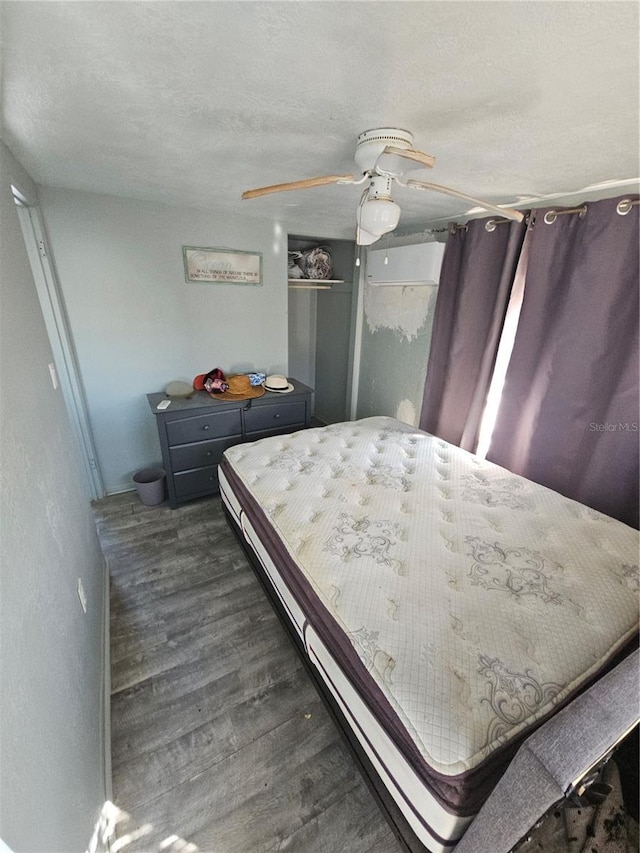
195 433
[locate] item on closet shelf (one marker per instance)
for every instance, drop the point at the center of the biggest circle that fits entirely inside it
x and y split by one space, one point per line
313 263
316 263
239 387
278 383
294 269
178 389
257 378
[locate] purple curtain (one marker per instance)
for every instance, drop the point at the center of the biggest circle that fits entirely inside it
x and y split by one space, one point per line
477 273
568 416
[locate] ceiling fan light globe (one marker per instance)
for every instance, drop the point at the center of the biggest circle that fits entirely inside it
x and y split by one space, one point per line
363 238
378 216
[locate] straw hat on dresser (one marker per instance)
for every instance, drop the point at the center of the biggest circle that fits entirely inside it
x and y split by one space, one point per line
240 388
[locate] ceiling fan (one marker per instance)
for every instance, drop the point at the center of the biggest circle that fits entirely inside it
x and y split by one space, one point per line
384 156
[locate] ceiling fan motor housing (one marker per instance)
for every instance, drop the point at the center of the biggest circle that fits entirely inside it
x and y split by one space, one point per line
380 187
372 143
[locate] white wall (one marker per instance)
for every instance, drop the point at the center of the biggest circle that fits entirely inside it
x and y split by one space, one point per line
137 325
52 783
303 316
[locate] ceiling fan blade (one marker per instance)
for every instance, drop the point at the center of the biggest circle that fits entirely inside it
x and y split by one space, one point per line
507 212
306 184
420 157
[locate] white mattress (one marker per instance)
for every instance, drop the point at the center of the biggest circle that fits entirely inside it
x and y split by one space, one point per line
473 601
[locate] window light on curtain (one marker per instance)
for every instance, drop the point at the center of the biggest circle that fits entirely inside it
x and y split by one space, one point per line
475 285
567 416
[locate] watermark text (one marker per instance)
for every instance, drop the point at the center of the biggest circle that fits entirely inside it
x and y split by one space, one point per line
620 426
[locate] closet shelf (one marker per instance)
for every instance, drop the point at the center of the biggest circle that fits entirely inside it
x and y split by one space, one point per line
314 283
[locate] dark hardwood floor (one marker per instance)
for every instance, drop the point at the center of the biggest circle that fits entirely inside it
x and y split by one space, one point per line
220 742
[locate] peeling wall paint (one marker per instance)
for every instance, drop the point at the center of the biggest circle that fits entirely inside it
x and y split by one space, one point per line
406 413
404 309
396 337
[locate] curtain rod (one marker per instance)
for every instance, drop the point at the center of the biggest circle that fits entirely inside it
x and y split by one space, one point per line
493 223
622 208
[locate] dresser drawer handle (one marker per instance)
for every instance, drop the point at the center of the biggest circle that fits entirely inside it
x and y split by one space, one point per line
276 416
212 477
209 452
206 426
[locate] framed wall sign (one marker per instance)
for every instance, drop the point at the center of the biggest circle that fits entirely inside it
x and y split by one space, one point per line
221 266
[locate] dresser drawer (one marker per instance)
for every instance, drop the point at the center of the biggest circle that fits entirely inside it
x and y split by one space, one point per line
200 454
202 427
275 417
202 480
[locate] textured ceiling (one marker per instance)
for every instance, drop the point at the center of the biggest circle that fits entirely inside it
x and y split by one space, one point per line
193 102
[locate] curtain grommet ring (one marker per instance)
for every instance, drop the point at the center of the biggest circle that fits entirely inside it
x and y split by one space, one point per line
623 207
490 225
551 215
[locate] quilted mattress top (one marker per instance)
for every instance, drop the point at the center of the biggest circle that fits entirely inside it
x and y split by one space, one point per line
475 599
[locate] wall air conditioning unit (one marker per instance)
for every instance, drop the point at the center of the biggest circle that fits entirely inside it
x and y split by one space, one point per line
414 265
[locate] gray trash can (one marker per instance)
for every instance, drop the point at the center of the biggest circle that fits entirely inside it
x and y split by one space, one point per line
150 485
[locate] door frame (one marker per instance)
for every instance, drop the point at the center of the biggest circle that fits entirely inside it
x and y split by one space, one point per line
60 339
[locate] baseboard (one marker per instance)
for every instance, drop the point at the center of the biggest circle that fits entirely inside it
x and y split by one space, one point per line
103 835
106 687
120 490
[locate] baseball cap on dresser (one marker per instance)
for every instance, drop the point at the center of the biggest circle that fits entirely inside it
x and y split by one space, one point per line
278 383
212 381
198 382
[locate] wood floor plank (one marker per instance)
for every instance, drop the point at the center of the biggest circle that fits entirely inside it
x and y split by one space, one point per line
242 641
232 727
163 708
183 647
160 577
248 801
388 843
204 600
193 578
354 816
218 735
